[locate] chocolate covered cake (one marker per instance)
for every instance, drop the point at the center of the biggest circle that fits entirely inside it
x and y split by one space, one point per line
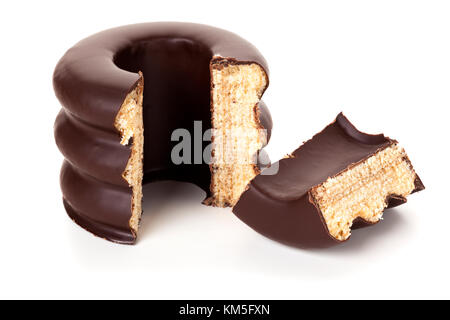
341 178
124 93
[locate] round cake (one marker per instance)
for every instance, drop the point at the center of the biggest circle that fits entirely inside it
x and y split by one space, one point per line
133 95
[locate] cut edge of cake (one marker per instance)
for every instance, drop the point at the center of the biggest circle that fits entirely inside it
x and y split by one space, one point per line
236 90
237 133
363 190
129 122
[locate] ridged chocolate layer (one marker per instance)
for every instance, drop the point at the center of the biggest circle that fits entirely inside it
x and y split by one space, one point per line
281 206
89 82
100 207
94 151
92 80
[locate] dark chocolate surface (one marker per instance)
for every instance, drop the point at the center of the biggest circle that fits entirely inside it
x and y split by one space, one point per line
326 154
89 81
100 207
92 80
280 206
91 150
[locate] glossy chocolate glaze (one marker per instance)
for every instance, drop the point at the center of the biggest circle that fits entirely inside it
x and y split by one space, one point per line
100 207
91 150
92 80
280 206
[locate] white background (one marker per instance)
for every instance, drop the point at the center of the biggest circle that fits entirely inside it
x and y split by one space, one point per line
386 64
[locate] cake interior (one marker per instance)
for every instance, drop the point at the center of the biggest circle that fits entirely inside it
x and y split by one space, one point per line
176 94
184 85
362 190
237 131
129 122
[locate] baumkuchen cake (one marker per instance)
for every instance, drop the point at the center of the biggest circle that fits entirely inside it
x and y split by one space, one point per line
338 179
126 91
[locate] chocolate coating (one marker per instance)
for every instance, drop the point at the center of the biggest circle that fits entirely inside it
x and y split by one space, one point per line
91 150
92 80
280 206
100 207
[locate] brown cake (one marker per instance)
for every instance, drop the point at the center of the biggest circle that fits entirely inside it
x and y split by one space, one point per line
339 180
125 91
